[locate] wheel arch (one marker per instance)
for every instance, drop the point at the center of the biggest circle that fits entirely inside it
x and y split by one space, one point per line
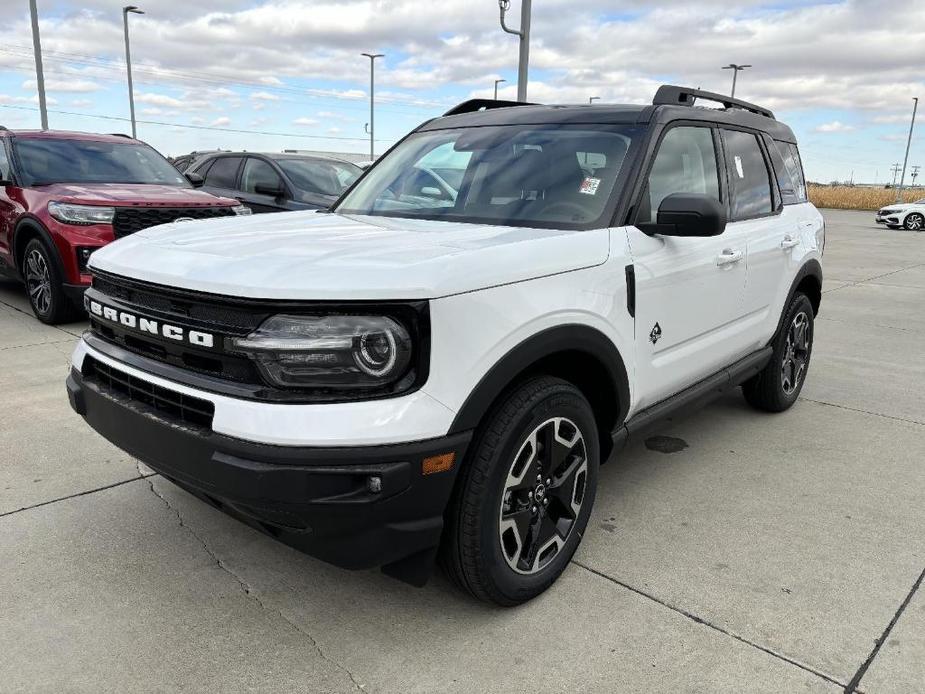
580 354
808 280
29 228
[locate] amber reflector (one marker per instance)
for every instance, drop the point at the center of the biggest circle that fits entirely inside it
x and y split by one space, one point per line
438 463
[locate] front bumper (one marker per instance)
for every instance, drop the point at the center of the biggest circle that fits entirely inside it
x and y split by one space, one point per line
887 219
318 500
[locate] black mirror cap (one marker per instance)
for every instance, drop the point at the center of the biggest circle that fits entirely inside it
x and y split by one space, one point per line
689 214
195 179
274 191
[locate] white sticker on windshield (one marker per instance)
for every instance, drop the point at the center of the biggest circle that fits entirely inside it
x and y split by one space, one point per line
589 186
739 169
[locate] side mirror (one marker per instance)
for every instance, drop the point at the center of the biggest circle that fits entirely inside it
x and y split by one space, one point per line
195 179
275 191
688 214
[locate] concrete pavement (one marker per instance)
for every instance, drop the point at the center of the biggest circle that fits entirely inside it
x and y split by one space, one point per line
772 553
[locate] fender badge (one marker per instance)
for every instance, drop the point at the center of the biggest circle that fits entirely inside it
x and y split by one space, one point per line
655 334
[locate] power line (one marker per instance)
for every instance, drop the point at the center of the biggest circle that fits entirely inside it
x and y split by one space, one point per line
198 127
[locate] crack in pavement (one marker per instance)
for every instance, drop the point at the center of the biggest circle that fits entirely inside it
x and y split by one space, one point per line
77 494
856 409
37 344
249 592
704 622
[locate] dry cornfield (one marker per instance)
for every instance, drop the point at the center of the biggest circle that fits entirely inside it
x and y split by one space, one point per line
858 197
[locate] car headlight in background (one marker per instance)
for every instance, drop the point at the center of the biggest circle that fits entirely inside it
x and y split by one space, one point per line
242 210
81 214
340 351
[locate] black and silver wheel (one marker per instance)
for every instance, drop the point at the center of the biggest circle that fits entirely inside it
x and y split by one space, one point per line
43 283
524 496
914 222
777 387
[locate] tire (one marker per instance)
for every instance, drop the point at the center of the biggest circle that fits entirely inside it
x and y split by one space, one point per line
778 386
495 544
892 226
914 222
44 285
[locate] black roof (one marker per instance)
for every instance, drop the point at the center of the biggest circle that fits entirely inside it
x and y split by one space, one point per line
671 103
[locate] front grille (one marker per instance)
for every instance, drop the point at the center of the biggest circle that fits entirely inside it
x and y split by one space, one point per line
128 220
168 403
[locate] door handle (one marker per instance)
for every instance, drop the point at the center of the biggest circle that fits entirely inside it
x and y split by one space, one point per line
789 242
729 256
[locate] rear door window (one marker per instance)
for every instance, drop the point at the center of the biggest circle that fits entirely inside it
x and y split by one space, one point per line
223 173
749 180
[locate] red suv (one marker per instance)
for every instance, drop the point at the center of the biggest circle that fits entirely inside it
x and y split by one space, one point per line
65 194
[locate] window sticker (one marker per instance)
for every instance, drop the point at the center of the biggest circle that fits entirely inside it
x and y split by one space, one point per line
589 186
739 169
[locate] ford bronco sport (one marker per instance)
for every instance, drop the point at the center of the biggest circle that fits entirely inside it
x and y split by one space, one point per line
418 373
65 194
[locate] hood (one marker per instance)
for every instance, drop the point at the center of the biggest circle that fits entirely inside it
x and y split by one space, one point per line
146 194
310 255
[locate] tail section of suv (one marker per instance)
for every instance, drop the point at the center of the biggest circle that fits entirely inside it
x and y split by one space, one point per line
63 195
415 375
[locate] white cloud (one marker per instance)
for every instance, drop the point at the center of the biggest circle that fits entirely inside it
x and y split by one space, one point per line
158 100
221 122
82 103
834 127
305 122
58 85
333 131
264 96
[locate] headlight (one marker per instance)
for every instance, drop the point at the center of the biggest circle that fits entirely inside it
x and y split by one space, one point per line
81 214
242 210
342 351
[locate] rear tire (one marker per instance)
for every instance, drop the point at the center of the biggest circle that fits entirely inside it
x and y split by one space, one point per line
44 285
914 222
525 494
779 384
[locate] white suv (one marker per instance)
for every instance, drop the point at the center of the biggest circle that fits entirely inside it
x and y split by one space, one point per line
443 359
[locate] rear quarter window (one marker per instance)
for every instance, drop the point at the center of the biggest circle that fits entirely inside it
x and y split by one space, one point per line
792 177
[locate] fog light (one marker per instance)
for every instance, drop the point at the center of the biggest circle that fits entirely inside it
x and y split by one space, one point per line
374 484
438 463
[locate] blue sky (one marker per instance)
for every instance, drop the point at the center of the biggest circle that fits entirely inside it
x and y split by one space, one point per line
274 74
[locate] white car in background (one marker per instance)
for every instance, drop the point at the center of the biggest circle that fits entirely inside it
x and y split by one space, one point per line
910 215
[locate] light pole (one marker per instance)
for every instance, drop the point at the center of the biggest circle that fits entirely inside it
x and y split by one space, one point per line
592 99
524 34
372 85
128 62
902 180
736 69
497 82
39 73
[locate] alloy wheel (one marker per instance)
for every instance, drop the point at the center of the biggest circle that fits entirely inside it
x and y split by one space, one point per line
915 222
543 494
38 281
796 353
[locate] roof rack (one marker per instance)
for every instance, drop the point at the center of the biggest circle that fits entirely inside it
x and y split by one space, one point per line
671 95
121 135
483 105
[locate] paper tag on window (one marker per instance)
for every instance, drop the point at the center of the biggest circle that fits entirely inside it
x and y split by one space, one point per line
739 169
589 186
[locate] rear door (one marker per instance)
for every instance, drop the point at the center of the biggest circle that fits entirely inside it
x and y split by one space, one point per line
221 176
689 291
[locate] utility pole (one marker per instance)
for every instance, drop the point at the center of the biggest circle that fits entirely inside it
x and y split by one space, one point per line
895 169
524 34
497 82
736 69
372 86
915 174
39 73
902 181
592 99
129 9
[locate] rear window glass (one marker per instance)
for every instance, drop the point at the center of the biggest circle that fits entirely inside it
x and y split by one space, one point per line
223 172
791 158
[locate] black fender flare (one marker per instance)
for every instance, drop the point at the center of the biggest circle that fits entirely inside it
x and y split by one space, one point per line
811 268
34 224
547 343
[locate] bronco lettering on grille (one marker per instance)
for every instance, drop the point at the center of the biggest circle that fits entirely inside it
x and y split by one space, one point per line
176 333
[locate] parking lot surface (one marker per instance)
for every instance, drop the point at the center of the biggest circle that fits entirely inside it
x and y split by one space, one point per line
738 551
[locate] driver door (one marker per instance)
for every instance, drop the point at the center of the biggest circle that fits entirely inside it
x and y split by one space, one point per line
689 291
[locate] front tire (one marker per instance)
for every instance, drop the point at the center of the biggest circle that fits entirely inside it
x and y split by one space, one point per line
779 384
914 222
524 497
44 285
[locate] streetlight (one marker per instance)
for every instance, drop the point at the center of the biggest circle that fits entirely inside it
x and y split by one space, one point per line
524 35
592 99
129 9
736 69
39 73
372 84
902 180
497 82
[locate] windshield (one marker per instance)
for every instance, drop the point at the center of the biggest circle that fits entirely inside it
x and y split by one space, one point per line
318 176
44 161
520 175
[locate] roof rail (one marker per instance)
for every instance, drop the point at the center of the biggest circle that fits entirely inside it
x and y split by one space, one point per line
3 127
483 105
671 95
121 135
